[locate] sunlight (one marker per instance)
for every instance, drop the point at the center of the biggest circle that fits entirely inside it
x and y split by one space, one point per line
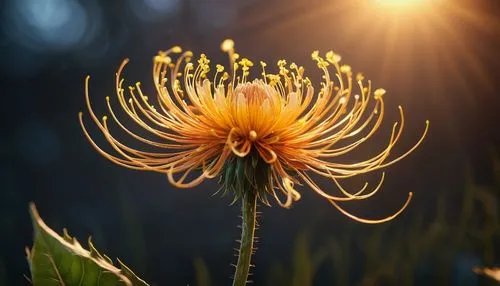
401 3
422 43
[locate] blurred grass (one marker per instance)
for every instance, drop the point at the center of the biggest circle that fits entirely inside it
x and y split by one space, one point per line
443 251
202 273
439 246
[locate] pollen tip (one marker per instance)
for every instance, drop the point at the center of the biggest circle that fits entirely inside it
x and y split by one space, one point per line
176 49
378 93
427 122
80 113
252 135
345 69
227 45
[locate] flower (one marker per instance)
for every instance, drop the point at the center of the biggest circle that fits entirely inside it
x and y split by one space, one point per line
265 134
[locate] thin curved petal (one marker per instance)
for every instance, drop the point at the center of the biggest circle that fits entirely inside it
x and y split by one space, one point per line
204 118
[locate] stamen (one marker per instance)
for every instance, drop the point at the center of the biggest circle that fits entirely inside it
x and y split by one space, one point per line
252 136
206 122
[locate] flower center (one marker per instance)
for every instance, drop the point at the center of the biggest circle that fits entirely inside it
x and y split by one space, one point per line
255 92
255 109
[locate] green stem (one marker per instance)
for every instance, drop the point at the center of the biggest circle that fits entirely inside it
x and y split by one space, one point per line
248 208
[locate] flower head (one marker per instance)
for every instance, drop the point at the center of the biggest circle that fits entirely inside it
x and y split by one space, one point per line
264 134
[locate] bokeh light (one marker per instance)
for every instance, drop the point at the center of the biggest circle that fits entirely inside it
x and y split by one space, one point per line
46 25
437 58
154 10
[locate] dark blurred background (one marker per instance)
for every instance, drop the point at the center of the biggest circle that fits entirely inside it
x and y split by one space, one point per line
440 60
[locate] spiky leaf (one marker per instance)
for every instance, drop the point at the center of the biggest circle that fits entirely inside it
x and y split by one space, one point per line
61 260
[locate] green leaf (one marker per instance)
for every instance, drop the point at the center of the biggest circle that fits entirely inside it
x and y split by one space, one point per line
61 260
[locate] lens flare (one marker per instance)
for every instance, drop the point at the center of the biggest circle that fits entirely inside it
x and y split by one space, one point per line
401 3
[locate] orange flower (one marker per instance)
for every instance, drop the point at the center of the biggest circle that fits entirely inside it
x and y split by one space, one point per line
264 134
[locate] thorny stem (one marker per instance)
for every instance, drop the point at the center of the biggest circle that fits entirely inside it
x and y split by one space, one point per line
249 203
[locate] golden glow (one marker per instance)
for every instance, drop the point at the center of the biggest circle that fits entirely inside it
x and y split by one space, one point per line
429 40
401 3
203 117
408 9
